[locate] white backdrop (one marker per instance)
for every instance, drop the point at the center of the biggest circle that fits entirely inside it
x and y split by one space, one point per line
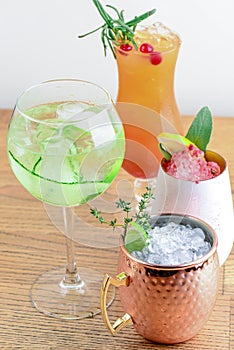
38 41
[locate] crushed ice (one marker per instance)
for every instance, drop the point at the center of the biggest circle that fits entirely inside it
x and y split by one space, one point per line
174 244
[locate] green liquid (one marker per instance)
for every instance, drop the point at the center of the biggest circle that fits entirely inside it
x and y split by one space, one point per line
64 164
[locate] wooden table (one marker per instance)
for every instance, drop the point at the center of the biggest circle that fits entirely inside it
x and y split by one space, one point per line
30 244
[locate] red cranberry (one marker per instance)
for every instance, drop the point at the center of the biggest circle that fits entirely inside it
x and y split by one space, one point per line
126 47
191 147
155 58
146 48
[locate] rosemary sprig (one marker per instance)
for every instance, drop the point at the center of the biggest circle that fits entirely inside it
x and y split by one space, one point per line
115 31
141 217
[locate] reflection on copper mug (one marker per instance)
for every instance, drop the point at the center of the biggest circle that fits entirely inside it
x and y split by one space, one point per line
165 304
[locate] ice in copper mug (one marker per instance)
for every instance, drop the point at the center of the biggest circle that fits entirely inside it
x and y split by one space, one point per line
165 303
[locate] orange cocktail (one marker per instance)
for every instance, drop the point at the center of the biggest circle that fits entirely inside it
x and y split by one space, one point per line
146 78
141 126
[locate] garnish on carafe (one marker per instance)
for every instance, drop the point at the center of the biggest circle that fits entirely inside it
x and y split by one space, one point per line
116 31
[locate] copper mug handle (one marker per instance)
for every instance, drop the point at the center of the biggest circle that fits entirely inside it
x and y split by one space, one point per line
120 280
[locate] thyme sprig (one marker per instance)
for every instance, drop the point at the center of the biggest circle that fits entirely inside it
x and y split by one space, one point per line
116 31
141 216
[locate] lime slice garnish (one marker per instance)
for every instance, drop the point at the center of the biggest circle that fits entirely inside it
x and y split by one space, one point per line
173 143
135 237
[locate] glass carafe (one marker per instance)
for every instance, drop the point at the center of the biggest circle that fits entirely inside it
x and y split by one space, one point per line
146 79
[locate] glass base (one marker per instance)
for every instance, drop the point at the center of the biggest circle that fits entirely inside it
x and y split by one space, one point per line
53 298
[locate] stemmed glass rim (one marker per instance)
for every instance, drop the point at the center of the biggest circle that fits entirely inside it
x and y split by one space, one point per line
69 122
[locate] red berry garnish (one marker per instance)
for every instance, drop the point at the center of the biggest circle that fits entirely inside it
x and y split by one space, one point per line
155 58
126 47
191 147
146 48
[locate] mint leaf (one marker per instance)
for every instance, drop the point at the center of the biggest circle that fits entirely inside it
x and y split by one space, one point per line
201 128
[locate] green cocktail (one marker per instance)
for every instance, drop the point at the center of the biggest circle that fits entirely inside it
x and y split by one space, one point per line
58 161
65 146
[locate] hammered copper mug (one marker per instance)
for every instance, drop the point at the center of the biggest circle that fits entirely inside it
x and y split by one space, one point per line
165 304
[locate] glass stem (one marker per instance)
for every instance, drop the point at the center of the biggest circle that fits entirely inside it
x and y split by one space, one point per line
71 278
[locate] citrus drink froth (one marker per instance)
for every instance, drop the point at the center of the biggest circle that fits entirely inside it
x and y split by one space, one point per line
159 36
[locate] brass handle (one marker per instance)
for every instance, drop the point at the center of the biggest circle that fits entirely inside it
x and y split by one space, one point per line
121 280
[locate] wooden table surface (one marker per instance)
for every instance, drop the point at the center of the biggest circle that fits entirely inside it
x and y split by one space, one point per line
30 244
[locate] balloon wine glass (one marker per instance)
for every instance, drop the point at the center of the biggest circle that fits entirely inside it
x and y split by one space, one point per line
65 146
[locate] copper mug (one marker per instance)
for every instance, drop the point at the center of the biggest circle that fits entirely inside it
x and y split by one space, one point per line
165 304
